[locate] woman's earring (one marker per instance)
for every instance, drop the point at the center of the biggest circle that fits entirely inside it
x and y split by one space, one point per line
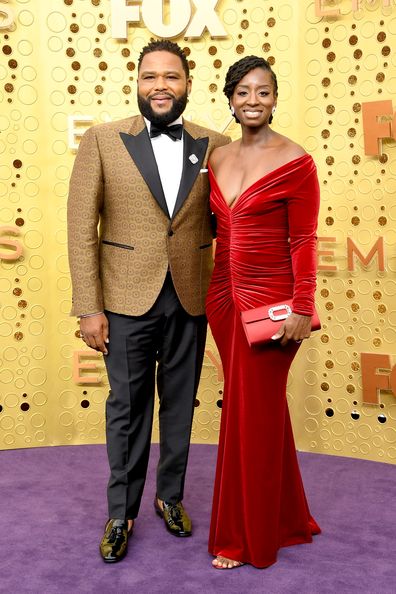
232 110
273 110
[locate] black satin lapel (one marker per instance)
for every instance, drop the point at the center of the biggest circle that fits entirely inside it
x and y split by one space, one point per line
193 150
140 149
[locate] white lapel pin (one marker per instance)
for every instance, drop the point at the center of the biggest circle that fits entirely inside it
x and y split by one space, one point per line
193 158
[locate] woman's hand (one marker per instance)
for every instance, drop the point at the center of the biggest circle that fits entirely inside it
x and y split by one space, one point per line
295 327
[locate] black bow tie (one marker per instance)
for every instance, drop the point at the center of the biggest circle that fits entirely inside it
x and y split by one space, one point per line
174 132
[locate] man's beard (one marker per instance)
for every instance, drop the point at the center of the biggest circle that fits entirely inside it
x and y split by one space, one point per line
163 119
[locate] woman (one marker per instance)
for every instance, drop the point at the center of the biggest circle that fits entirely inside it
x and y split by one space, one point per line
265 196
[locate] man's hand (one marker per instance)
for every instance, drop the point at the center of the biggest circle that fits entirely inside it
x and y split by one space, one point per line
94 330
295 327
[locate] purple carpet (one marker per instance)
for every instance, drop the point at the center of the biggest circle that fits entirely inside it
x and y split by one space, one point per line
53 509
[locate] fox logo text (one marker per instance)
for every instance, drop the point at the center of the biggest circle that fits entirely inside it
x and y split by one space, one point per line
167 18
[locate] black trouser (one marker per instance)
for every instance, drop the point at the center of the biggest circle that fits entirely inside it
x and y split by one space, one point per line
176 340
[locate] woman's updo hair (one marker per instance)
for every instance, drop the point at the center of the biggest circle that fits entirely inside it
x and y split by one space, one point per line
239 69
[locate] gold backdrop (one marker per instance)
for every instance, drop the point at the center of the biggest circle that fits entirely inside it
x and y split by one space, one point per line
58 59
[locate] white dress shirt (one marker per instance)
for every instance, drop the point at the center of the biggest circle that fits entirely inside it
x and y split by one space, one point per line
169 156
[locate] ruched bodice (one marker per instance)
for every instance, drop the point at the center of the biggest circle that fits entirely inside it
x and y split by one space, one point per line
266 238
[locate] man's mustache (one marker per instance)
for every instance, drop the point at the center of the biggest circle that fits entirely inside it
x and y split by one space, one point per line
161 95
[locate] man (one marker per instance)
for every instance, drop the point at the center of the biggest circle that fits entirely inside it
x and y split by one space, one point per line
140 258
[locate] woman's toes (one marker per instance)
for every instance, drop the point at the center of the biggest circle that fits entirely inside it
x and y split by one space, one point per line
224 563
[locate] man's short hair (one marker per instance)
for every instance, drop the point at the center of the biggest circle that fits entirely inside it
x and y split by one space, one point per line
164 45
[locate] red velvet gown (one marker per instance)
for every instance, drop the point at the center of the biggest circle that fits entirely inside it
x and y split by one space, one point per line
265 253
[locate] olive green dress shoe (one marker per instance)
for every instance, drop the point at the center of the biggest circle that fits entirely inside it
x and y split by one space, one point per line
175 517
114 543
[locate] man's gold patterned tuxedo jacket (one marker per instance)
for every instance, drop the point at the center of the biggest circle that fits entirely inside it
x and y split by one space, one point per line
122 240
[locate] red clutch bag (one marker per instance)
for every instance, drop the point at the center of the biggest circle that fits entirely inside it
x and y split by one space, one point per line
263 322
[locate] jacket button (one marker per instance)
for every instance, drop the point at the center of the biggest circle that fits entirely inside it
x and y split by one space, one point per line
170 233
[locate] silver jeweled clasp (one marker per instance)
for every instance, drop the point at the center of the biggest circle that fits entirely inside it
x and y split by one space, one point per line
287 311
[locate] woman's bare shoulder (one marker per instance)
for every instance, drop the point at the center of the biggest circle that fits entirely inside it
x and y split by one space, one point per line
219 154
290 148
